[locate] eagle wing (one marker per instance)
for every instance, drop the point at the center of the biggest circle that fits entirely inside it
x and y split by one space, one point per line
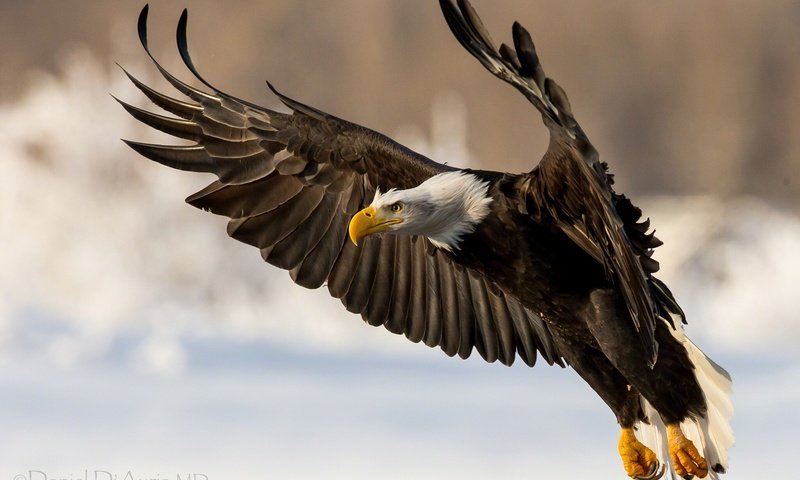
290 183
570 185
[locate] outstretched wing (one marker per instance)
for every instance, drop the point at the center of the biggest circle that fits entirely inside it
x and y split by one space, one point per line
571 185
291 182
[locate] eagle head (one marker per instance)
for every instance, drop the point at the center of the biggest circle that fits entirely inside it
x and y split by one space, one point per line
443 208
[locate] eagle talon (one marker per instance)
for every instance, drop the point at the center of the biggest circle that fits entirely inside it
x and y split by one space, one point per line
686 460
639 461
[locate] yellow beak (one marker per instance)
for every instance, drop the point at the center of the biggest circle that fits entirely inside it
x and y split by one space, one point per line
366 222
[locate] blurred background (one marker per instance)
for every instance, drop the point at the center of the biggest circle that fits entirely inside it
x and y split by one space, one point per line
136 337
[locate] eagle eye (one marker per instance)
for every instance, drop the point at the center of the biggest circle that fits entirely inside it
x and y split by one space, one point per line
396 207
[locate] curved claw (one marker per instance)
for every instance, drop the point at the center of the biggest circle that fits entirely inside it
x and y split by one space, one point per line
657 470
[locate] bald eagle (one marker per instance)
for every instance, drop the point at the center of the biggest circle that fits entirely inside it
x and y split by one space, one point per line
551 262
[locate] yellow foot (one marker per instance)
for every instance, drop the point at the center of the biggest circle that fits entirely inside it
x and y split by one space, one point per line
640 462
686 460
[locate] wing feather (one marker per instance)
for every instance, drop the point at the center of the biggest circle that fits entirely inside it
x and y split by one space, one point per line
401 291
415 321
316 267
504 328
193 158
433 304
487 334
344 269
176 107
180 128
466 313
525 344
448 293
249 199
289 252
381 295
360 288
267 229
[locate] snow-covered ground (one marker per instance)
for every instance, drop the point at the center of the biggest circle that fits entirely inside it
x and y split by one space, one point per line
136 337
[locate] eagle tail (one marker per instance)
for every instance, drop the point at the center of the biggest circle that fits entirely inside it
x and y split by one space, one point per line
711 433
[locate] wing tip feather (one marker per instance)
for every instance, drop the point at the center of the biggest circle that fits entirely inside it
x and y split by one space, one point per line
182 39
141 27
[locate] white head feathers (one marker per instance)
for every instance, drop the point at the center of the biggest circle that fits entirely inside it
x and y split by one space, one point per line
443 208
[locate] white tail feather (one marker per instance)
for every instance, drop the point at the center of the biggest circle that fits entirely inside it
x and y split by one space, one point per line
712 433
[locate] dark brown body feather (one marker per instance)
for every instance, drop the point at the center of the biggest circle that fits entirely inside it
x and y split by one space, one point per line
560 268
